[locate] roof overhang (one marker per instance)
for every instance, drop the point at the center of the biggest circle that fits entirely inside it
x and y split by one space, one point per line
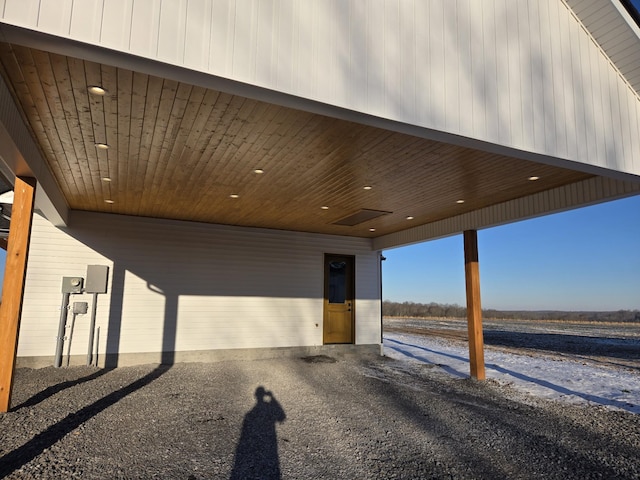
186 145
614 26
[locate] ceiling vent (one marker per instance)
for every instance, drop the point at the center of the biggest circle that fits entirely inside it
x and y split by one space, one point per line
360 217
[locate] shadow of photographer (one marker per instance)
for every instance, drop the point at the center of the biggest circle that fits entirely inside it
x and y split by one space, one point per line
257 451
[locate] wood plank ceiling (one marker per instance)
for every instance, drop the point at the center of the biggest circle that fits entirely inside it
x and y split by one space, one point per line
183 152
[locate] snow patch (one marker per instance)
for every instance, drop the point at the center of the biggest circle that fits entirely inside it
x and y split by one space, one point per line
577 382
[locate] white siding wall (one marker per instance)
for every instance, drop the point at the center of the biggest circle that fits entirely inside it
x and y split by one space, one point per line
517 73
186 287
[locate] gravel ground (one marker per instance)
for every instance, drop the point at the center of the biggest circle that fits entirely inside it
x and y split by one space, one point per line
302 419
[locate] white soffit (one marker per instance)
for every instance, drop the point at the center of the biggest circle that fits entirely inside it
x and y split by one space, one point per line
616 32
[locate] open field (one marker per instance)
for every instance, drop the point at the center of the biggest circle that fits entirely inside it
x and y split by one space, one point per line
613 344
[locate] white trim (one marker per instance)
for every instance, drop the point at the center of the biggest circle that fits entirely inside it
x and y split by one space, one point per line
588 192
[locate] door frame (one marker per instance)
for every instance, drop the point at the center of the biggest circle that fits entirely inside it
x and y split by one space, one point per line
325 297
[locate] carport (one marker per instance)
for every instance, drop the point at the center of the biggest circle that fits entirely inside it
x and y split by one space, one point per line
215 119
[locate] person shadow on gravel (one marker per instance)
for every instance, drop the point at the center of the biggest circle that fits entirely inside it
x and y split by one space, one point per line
257 450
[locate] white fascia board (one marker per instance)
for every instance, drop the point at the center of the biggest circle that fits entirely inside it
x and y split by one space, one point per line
12 165
630 22
627 31
19 156
581 194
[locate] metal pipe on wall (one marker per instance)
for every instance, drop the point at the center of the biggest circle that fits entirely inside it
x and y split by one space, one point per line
92 326
95 357
57 362
73 322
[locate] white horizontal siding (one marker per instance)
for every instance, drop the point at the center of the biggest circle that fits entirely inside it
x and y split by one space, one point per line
594 190
521 74
184 286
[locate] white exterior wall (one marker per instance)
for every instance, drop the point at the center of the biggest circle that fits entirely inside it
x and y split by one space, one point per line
190 287
516 73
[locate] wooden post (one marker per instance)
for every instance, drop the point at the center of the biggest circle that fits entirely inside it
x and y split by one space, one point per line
474 309
13 286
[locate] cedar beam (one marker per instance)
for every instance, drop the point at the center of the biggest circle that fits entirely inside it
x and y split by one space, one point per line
13 286
474 309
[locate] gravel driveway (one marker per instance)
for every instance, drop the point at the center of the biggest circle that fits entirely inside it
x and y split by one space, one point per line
301 419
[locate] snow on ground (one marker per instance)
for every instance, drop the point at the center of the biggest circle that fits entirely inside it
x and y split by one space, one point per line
579 381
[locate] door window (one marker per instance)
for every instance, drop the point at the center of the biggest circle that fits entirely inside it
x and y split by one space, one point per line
337 282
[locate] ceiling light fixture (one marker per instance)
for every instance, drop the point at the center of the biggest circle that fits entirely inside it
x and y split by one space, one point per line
106 179
409 217
109 201
367 187
460 201
102 146
97 90
372 229
324 207
533 178
234 195
258 171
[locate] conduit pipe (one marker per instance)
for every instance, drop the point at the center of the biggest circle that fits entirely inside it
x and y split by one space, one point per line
61 327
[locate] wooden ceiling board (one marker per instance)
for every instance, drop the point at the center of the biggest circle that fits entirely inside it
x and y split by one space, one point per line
179 151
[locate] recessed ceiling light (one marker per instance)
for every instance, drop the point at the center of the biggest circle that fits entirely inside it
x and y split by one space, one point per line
258 171
409 217
97 90
108 201
460 201
367 187
372 229
106 179
234 195
102 146
534 178
324 207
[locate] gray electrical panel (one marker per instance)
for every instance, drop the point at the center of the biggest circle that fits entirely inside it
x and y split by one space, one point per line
72 284
80 308
96 279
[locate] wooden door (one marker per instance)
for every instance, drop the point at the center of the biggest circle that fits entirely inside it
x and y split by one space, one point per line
339 305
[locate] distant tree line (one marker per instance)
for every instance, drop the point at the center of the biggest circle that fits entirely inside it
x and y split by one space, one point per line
439 310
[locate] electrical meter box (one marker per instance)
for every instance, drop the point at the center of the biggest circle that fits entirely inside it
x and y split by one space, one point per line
80 308
72 284
97 279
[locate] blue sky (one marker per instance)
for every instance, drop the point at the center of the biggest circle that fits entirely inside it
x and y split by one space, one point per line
584 259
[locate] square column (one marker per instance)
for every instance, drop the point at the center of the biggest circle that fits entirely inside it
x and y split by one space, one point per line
13 286
474 308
